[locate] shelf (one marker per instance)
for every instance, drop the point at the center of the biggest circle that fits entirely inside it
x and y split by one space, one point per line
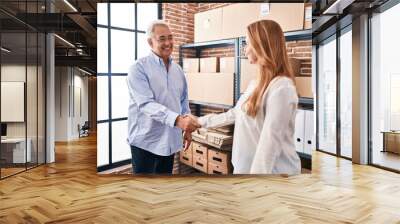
211 104
306 103
290 36
293 35
210 44
304 100
298 35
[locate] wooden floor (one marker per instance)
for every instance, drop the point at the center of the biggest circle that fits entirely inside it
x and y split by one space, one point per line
387 159
70 191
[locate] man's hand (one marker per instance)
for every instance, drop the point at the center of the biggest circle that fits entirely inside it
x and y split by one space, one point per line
186 123
187 139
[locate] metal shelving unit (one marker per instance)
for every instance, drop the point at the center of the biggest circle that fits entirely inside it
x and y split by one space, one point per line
198 47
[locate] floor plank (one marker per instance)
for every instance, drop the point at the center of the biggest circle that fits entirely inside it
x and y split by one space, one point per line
71 191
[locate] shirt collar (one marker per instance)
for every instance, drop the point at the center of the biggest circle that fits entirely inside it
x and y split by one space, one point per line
159 59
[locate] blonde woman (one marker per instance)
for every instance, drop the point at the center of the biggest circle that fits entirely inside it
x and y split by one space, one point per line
265 114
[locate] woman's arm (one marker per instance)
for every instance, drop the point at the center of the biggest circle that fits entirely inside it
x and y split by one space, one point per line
218 120
279 110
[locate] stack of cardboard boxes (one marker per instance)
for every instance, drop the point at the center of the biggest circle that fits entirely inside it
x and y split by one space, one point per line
224 23
206 85
214 83
210 151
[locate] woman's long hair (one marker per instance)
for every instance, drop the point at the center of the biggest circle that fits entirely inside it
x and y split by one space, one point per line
269 46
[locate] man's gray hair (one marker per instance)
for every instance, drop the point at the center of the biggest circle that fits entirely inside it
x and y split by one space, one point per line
150 28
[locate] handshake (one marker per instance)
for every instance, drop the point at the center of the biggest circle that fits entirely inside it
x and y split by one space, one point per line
188 123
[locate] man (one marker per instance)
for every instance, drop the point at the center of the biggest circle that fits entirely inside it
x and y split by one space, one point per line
158 106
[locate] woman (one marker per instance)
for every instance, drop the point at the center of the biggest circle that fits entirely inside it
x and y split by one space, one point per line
265 114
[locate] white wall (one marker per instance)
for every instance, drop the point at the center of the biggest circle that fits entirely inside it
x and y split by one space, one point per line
71 93
33 126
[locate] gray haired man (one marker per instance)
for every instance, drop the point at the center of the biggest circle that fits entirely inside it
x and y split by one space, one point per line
158 105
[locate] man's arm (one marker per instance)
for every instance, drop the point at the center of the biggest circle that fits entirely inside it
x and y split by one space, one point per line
185 98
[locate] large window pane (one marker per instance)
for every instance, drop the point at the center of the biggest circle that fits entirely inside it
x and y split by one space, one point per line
102 144
120 147
122 50
327 96
143 47
102 50
385 88
102 14
147 12
13 87
119 97
102 97
346 94
123 15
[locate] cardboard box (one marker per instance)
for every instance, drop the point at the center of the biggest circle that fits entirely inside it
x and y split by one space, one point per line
191 64
236 17
290 16
209 65
214 88
208 25
248 72
200 163
296 64
217 169
186 157
227 64
199 150
220 158
307 16
304 86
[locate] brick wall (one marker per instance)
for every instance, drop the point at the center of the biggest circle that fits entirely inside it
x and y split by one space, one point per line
180 17
301 50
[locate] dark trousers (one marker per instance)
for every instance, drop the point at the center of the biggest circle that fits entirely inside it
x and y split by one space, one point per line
145 162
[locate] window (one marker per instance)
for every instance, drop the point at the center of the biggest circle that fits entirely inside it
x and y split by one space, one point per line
22 88
334 107
385 89
119 43
346 93
327 96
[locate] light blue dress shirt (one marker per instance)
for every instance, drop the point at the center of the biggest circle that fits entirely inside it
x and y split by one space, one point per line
156 98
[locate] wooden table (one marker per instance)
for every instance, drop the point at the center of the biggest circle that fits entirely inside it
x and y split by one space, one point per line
391 141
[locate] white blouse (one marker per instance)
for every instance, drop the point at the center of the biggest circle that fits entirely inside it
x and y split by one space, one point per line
264 144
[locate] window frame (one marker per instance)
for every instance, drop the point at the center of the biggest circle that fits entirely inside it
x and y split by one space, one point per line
110 74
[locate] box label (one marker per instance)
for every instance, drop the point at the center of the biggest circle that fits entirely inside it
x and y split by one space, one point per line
264 9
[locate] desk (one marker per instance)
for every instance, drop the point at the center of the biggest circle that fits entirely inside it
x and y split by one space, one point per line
13 150
391 141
